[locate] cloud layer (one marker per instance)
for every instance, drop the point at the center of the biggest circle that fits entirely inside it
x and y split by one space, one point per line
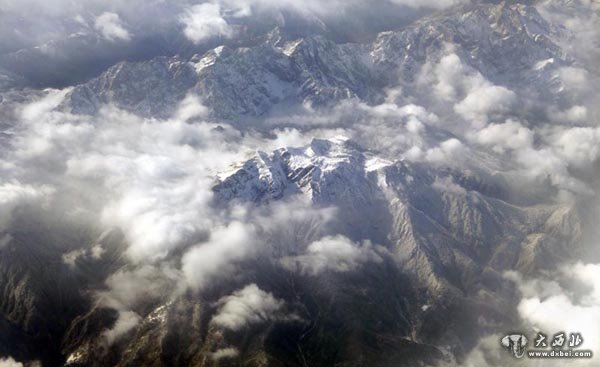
247 306
110 27
334 253
153 178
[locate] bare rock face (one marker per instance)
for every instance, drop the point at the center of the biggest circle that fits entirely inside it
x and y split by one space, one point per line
426 207
452 241
42 295
443 251
149 88
235 82
444 239
505 43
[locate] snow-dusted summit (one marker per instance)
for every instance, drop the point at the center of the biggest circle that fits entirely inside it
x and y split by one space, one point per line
505 43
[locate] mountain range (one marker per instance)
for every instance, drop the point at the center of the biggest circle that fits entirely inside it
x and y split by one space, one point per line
364 252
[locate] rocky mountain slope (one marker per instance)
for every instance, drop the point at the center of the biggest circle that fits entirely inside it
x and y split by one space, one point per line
505 43
443 240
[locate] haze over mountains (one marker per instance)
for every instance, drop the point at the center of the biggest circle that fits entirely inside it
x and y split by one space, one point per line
261 183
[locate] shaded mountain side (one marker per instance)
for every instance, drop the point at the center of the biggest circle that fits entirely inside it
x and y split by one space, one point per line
438 289
40 293
434 286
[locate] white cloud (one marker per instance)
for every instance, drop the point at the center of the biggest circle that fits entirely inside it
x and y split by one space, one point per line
320 8
227 245
547 153
35 110
553 309
212 19
159 219
389 127
483 100
488 349
450 74
336 253
578 146
204 21
126 322
247 306
190 108
447 185
543 164
573 115
329 8
9 362
448 151
152 178
95 252
415 154
510 135
589 274
111 27
13 194
224 353
128 287
291 224
71 257
155 174
434 4
550 308
471 95
574 79
54 20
